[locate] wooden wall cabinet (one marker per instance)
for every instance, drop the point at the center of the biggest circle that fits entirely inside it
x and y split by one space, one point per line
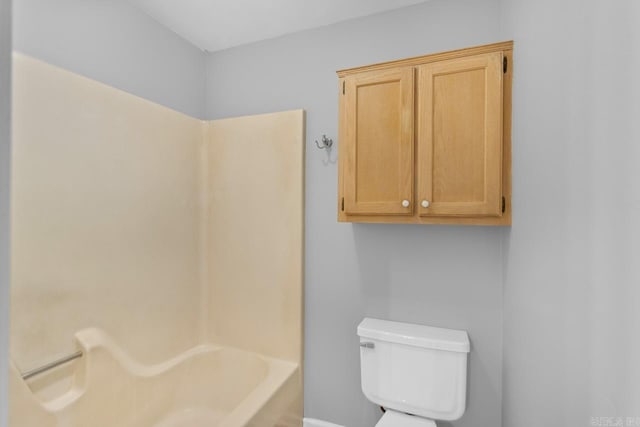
427 140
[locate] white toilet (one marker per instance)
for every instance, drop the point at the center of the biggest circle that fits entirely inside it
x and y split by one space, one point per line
417 373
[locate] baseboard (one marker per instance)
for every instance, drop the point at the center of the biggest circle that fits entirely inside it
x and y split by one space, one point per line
310 422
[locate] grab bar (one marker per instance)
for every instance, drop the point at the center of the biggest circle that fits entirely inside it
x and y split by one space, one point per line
51 365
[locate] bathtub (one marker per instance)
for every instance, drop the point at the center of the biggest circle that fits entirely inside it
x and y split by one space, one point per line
207 386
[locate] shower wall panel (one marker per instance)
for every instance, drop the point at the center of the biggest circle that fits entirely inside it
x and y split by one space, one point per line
255 236
255 241
106 218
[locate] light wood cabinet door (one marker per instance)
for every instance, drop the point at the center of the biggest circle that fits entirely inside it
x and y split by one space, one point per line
379 128
459 148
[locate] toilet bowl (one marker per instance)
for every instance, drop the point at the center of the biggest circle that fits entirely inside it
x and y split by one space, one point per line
398 419
417 373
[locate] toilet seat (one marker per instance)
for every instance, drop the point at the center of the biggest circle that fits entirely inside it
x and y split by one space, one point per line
398 419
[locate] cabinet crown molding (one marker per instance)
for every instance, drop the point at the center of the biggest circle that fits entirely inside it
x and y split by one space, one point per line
425 59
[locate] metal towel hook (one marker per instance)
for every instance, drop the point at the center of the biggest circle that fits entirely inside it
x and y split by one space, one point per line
326 143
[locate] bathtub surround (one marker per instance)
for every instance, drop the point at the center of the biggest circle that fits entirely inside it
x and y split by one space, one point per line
442 276
255 233
119 202
255 240
106 204
114 43
5 185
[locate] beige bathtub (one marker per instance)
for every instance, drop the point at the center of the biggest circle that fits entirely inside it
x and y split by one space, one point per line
205 386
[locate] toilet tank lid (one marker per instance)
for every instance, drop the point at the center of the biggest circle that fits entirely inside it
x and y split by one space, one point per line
415 335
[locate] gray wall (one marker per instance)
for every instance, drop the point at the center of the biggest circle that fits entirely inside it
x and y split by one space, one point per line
436 275
572 258
5 176
115 43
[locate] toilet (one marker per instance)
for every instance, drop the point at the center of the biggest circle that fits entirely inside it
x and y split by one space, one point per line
417 373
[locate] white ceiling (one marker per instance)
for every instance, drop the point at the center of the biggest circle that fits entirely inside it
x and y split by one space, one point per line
219 24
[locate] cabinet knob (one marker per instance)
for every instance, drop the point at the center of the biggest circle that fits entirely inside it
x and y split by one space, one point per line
405 203
425 204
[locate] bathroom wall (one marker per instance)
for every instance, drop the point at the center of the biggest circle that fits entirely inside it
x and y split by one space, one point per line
571 293
437 275
255 238
115 43
106 218
5 178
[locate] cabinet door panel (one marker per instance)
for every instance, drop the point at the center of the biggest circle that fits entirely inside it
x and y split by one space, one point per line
379 138
460 137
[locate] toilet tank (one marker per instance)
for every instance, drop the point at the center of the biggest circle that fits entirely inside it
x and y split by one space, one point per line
420 370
